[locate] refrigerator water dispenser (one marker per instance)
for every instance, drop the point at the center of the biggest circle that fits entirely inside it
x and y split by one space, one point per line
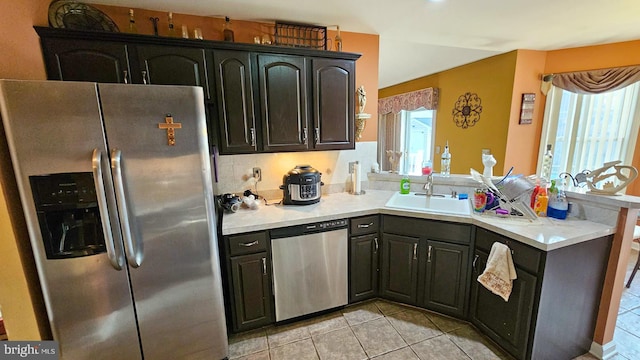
68 214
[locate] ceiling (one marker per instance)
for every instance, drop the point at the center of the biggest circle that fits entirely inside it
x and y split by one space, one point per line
422 37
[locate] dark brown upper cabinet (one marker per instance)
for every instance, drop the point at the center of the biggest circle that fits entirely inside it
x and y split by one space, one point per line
283 102
171 65
235 105
333 104
258 98
83 60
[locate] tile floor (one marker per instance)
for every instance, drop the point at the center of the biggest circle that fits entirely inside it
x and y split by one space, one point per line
384 330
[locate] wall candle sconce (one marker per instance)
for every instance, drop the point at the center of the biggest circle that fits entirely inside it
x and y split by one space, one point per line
361 116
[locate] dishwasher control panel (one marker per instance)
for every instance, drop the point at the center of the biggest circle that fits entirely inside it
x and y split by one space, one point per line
310 228
327 224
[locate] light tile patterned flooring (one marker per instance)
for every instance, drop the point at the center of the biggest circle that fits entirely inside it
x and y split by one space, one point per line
384 330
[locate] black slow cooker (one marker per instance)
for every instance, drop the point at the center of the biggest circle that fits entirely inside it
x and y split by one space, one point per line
301 186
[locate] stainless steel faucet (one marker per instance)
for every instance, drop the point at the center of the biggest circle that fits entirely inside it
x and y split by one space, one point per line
428 185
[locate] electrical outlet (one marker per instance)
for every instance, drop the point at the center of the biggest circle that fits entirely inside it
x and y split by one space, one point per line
257 173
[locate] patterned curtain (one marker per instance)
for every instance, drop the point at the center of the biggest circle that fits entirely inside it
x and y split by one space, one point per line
426 98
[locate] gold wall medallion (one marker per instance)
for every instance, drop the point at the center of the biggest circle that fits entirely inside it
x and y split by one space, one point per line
170 126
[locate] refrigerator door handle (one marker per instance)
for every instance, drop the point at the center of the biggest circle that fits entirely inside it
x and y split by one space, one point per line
116 259
134 251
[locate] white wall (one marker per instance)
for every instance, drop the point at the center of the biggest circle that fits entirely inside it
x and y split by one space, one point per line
234 171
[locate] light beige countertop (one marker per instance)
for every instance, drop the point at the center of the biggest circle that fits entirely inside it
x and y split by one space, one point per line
544 233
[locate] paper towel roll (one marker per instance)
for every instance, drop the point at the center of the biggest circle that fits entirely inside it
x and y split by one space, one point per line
357 178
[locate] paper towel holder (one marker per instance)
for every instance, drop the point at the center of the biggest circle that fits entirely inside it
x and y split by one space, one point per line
355 178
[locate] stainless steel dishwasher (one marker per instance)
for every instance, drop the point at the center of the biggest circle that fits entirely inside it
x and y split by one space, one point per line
310 268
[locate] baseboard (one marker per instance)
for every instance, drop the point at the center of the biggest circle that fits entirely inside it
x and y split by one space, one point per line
605 352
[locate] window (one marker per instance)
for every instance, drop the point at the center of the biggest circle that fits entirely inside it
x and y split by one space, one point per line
412 133
588 130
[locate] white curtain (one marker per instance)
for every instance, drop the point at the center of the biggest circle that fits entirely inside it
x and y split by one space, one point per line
588 130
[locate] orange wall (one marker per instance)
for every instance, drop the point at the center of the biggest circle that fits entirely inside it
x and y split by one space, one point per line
523 140
593 57
492 80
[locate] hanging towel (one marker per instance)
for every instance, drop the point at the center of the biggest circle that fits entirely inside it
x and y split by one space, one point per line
499 274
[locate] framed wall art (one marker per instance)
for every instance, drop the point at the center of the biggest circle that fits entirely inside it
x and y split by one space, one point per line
526 109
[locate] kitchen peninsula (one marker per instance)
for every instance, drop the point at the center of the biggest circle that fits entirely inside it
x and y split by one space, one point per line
561 264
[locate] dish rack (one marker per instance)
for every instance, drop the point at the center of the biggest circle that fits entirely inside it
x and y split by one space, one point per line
510 192
300 35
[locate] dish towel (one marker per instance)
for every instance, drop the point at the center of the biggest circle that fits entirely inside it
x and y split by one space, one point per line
499 274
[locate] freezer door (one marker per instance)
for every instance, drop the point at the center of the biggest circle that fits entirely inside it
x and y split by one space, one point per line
163 183
53 127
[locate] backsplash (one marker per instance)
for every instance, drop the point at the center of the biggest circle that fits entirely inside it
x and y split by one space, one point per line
235 171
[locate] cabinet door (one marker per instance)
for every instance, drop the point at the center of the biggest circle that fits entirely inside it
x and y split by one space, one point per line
283 102
363 267
251 291
333 104
170 65
236 118
399 268
80 60
445 280
507 323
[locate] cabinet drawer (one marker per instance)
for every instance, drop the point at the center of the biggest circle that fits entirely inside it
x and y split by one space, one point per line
365 225
434 230
524 256
247 243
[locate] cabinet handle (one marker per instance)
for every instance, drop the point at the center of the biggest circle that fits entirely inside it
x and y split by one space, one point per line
144 77
415 251
429 254
125 74
248 244
253 137
304 135
264 266
375 240
364 226
317 133
475 259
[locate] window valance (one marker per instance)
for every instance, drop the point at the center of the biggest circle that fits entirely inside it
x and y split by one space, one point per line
594 81
426 98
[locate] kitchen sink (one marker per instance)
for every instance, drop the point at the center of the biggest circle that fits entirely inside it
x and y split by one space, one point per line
436 203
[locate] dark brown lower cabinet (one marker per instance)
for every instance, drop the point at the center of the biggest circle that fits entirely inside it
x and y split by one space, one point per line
363 268
553 306
399 268
508 323
426 263
446 278
251 291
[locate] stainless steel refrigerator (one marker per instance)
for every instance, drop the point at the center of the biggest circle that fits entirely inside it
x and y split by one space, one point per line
115 183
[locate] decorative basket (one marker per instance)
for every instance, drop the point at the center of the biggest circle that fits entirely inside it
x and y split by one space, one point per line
301 35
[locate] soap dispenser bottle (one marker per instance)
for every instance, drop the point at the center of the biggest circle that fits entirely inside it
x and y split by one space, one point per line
405 185
445 162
